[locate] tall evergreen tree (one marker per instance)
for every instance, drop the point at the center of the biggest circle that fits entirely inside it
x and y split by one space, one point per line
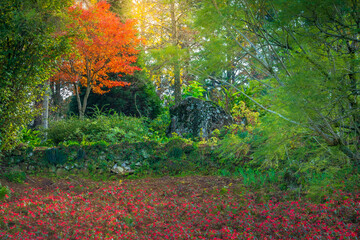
165 27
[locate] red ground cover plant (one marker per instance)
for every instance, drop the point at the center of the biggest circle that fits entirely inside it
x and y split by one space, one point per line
176 208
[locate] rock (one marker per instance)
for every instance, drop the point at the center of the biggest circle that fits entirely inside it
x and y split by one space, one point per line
117 169
197 118
121 170
69 167
125 166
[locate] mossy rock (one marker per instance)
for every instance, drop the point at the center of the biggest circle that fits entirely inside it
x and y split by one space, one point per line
194 118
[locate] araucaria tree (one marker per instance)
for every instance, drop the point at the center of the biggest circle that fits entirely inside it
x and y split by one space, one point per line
102 45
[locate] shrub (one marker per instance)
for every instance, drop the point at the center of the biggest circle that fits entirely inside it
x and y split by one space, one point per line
15 176
319 185
159 125
256 178
31 137
139 99
4 191
233 149
111 129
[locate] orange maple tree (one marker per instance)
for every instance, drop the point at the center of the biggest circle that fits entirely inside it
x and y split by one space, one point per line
102 44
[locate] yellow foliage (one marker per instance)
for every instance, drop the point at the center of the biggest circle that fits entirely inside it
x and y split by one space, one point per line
245 119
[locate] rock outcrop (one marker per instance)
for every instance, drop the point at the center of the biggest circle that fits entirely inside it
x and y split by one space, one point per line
194 117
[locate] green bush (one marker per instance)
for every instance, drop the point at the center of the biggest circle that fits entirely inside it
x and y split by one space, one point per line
31 137
4 190
15 176
175 153
320 185
110 129
304 162
233 149
158 127
256 178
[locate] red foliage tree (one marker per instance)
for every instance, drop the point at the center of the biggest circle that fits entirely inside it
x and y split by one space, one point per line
102 44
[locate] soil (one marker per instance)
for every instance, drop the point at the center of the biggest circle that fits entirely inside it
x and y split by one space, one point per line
184 185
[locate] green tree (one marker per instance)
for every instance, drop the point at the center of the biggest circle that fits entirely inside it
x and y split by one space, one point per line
139 99
28 51
165 26
219 63
307 53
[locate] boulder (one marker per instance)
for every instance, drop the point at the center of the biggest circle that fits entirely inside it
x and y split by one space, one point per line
123 169
119 170
194 117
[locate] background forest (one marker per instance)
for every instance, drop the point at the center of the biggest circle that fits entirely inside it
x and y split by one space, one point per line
85 84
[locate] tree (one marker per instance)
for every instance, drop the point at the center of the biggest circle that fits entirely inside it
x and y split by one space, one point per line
121 7
138 100
165 24
308 54
102 45
28 51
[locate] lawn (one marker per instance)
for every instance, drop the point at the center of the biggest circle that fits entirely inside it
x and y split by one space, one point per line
193 207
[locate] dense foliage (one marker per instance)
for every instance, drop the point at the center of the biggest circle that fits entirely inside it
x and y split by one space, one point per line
113 129
138 100
304 55
28 50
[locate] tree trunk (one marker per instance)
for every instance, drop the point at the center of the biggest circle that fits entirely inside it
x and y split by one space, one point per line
176 64
57 98
83 109
177 83
46 107
38 104
78 99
